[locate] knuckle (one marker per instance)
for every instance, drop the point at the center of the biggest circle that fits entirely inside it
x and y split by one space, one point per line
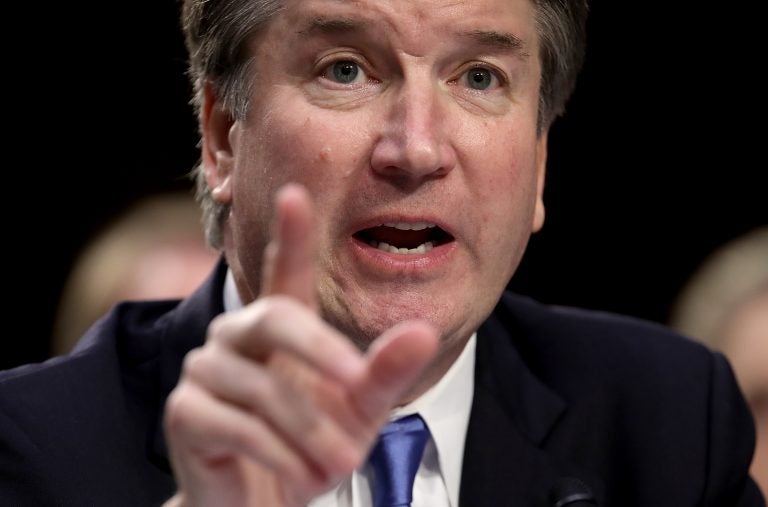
271 313
259 390
219 327
260 319
276 307
178 409
195 362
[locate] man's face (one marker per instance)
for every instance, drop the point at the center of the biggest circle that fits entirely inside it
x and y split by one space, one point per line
413 126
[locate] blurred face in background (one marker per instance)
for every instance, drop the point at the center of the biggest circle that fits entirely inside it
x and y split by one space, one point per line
745 342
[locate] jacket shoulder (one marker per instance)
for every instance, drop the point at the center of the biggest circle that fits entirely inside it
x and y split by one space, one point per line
642 400
89 408
572 340
127 336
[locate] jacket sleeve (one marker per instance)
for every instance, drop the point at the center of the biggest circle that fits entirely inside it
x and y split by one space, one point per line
731 443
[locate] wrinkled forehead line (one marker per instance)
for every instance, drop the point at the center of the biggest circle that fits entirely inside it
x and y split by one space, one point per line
300 17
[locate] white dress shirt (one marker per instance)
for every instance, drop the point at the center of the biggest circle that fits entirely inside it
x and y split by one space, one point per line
445 408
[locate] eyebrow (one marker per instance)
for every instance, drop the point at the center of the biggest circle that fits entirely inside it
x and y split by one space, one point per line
498 41
331 26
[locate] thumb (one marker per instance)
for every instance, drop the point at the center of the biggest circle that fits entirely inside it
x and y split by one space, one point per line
397 359
288 268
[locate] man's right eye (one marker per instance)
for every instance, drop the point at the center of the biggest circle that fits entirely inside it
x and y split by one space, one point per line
345 72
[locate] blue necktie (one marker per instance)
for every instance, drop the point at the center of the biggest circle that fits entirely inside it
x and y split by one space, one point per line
395 459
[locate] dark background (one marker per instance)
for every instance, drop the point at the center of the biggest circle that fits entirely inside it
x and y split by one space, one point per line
653 167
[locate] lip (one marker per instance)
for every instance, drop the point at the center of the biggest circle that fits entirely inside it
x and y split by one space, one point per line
387 265
384 219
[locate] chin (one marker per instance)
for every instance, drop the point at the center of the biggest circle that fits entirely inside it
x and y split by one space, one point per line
363 323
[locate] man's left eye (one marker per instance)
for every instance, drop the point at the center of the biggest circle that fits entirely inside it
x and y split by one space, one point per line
344 72
481 78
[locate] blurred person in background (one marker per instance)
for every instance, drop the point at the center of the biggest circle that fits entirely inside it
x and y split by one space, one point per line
155 250
725 305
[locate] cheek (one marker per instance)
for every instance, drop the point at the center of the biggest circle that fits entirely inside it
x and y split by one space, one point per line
505 193
506 182
315 148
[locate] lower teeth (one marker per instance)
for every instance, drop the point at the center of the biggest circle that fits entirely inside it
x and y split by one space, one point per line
386 247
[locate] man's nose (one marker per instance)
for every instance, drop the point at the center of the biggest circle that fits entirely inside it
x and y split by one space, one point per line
414 142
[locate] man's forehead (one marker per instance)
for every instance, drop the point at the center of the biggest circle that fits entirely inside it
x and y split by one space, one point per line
505 24
492 39
367 12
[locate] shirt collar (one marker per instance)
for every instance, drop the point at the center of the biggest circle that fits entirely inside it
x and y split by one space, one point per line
232 299
445 408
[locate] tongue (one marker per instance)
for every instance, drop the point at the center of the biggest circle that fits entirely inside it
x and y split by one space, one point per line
397 237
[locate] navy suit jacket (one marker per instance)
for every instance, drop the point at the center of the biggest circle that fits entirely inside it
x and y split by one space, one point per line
643 417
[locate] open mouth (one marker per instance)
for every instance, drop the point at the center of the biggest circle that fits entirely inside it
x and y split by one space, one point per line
404 238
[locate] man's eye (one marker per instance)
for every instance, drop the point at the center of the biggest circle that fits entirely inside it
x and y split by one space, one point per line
480 78
344 72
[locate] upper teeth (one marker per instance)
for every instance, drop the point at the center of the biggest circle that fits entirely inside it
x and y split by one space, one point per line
415 226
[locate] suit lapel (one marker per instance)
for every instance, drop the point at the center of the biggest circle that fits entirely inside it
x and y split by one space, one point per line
512 414
186 329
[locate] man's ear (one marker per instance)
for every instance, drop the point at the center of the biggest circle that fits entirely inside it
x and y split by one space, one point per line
541 171
217 149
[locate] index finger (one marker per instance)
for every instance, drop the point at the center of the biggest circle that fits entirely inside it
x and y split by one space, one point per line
289 258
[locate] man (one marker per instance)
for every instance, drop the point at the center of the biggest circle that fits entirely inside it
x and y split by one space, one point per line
372 171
